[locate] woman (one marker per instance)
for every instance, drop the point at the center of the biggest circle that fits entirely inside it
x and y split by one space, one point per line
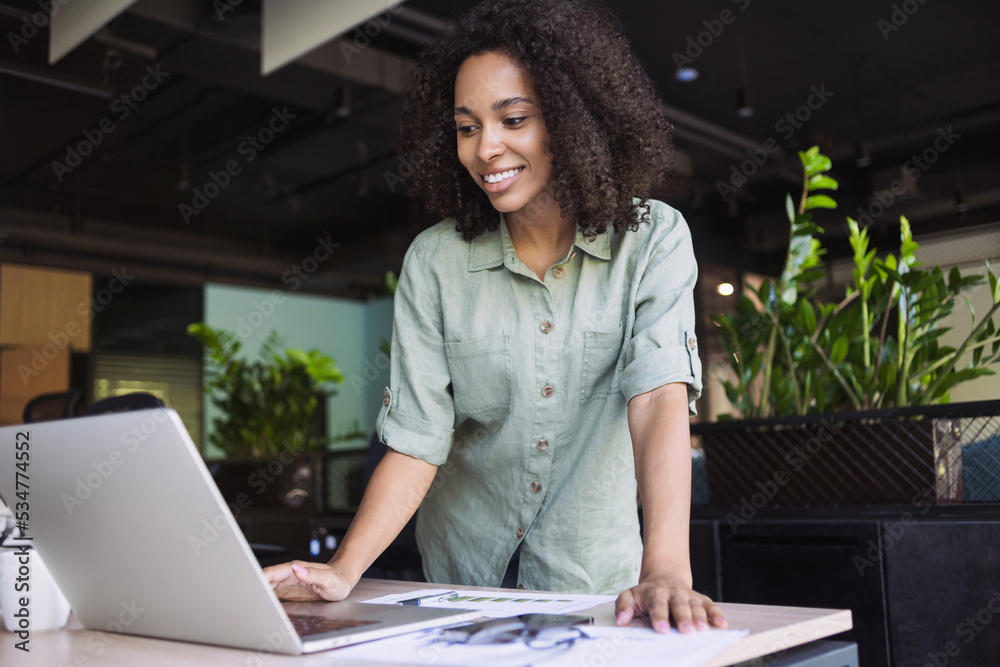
543 355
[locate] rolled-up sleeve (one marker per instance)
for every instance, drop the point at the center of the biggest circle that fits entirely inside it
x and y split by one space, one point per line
663 347
418 414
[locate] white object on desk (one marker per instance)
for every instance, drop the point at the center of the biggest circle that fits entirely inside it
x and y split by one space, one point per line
24 578
503 603
604 645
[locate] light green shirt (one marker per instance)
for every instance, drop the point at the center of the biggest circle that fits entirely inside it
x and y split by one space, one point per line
518 389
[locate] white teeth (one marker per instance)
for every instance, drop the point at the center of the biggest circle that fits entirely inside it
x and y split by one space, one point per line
502 176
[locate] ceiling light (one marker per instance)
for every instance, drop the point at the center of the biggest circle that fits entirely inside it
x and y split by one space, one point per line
864 154
961 205
686 74
344 102
725 289
744 102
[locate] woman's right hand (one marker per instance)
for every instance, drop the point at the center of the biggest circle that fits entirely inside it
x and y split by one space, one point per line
300 581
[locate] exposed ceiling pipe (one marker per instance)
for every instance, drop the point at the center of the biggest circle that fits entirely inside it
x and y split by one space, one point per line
329 58
56 78
196 250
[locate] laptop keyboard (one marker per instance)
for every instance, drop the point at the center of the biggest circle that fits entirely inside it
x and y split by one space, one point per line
307 625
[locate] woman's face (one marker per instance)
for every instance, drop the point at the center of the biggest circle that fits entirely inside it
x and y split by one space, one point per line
502 139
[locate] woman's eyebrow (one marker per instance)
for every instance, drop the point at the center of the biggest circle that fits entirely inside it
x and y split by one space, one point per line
496 106
510 101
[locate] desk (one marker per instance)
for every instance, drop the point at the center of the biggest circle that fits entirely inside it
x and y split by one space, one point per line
771 629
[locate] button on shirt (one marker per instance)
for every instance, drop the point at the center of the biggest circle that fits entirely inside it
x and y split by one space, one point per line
517 388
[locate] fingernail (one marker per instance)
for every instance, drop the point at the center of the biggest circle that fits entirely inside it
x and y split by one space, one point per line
701 625
662 626
620 618
722 622
686 627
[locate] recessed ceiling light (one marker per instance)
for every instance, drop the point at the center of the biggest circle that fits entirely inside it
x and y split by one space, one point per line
686 74
744 103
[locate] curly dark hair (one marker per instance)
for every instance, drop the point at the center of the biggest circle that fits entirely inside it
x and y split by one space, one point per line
609 140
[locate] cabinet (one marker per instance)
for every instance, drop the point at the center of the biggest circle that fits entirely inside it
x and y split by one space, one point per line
918 588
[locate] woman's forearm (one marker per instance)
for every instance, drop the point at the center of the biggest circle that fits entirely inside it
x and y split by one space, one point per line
394 492
661 442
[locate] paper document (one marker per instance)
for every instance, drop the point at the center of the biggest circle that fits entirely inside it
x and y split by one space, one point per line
501 603
595 645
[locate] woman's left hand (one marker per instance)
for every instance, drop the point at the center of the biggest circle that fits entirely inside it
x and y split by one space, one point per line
663 596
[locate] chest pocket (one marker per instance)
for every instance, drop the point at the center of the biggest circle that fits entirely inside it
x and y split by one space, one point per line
480 378
601 353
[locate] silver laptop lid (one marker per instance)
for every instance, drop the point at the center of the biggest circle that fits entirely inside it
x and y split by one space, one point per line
132 527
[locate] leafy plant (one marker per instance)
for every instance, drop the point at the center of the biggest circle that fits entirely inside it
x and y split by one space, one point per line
267 405
878 347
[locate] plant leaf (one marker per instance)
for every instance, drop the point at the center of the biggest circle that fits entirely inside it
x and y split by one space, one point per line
819 201
814 161
822 182
994 284
839 351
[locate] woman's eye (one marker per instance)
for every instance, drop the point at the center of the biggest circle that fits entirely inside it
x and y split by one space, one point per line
466 129
516 120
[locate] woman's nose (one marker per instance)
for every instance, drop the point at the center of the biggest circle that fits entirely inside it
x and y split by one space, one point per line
490 144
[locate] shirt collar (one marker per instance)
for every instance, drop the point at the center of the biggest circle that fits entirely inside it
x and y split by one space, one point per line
486 251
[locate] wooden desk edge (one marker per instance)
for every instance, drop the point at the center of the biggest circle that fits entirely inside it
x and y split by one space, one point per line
820 623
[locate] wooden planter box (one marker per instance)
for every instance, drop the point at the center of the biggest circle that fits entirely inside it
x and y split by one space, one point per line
884 457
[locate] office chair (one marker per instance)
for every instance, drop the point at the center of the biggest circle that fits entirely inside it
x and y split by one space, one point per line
139 400
56 405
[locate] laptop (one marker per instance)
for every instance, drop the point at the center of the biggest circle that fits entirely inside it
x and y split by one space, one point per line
127 518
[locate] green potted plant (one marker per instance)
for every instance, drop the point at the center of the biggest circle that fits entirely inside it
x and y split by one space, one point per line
267 405
268 424
838 375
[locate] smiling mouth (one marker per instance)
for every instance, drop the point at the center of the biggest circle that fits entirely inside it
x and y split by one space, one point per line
502 176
